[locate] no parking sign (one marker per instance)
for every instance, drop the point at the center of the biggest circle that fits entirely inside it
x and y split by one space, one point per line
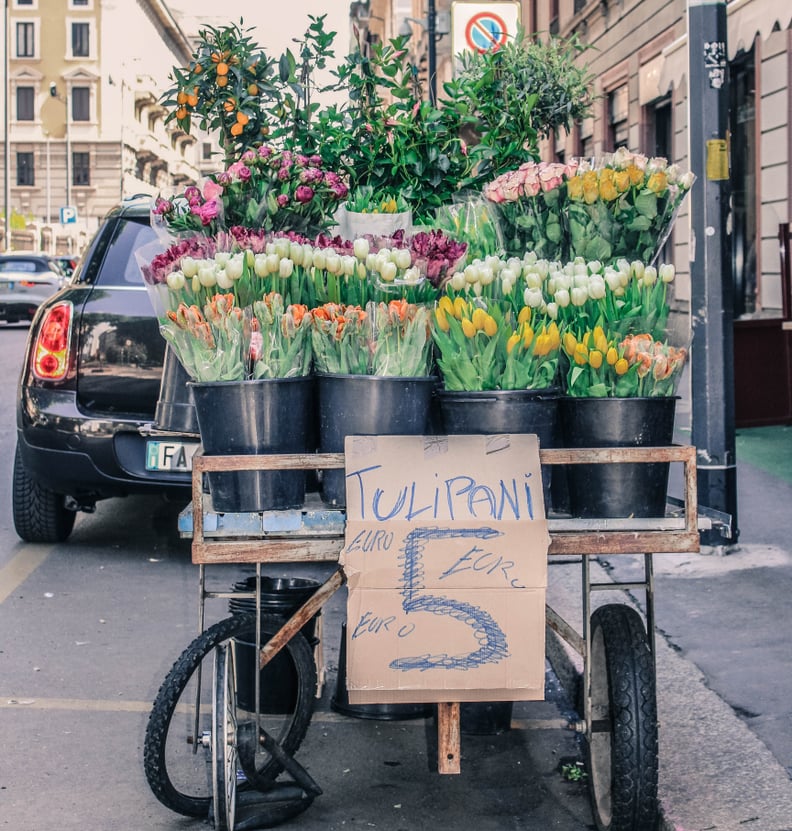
482 27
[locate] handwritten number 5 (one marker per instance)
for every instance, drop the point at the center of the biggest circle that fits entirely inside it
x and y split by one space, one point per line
491 638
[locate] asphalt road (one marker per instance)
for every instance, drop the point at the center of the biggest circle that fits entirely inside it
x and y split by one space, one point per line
88 630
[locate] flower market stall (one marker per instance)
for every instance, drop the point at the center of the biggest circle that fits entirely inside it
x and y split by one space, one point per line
402 331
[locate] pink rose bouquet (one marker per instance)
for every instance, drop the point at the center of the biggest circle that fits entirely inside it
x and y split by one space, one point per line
531 204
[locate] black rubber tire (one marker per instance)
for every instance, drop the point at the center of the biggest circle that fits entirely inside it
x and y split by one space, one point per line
154 747
40 515
224 751
622 741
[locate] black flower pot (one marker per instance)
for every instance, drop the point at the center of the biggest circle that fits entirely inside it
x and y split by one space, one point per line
175 409
617 489
270 415
367 405
504 411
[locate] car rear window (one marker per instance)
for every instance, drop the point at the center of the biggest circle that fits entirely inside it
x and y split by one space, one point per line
19 265
119 265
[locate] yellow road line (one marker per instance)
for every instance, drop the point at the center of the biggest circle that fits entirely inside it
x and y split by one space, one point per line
21 567
113 706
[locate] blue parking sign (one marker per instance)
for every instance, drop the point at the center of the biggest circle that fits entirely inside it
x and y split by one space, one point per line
68 215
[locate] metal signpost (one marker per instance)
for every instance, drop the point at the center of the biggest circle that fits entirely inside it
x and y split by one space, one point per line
712 303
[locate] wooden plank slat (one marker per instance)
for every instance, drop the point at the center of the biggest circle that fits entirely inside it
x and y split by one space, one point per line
624 542
274 551
449 743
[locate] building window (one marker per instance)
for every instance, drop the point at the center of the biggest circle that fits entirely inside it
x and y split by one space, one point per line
25 4
618 117
26 174
25 39
206 151
81 103
80 4
81 169
81 40
25 98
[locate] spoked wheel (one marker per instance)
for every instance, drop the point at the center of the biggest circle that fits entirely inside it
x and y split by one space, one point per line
622 735
224 738
175 757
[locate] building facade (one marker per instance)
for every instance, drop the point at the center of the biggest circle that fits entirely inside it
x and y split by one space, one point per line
84 126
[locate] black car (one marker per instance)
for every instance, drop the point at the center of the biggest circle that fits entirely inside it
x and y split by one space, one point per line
89 389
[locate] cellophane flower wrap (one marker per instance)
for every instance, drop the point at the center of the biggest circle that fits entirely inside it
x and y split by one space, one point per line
280 339
624 206
266 189
387 339
531 205
212 343
223 342
602 365
474 220
486 346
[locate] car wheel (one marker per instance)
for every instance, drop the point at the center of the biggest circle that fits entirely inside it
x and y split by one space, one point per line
40 514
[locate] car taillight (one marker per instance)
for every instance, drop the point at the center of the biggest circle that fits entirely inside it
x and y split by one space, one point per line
51 352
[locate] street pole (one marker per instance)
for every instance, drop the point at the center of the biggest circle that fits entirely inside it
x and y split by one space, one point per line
6 132
68 149
712 293
431 28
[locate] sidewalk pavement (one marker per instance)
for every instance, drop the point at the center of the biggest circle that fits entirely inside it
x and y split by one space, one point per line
724 666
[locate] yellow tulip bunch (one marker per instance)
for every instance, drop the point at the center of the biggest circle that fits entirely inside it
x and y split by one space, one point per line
603 366
481 346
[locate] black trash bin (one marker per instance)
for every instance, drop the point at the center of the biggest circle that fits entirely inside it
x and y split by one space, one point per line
280 596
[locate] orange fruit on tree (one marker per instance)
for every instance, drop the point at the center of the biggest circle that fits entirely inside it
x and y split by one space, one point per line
252 89
222 68
181 113
181 98
236 129
242 118
192 100
222 80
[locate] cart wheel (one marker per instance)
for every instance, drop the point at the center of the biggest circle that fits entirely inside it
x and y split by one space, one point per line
180 724
622 735
224 741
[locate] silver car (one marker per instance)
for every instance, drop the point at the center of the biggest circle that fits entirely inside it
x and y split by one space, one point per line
26 281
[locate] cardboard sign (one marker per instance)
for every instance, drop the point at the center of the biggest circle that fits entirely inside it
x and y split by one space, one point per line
446 560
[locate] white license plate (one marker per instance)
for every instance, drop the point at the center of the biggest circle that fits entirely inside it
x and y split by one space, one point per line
170 455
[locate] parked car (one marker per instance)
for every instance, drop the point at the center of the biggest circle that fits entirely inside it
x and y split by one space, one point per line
88 391
26 280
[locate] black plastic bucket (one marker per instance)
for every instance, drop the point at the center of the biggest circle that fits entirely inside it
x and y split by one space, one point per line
382 712
175 409
367 405
504 411
618 489
270 415
280 596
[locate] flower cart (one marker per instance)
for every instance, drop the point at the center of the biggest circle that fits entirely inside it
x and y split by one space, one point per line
500 314
618 720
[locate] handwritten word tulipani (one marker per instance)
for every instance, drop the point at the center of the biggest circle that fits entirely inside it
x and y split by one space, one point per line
458 498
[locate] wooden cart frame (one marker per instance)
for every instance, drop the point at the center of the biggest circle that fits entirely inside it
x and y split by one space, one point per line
317 536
